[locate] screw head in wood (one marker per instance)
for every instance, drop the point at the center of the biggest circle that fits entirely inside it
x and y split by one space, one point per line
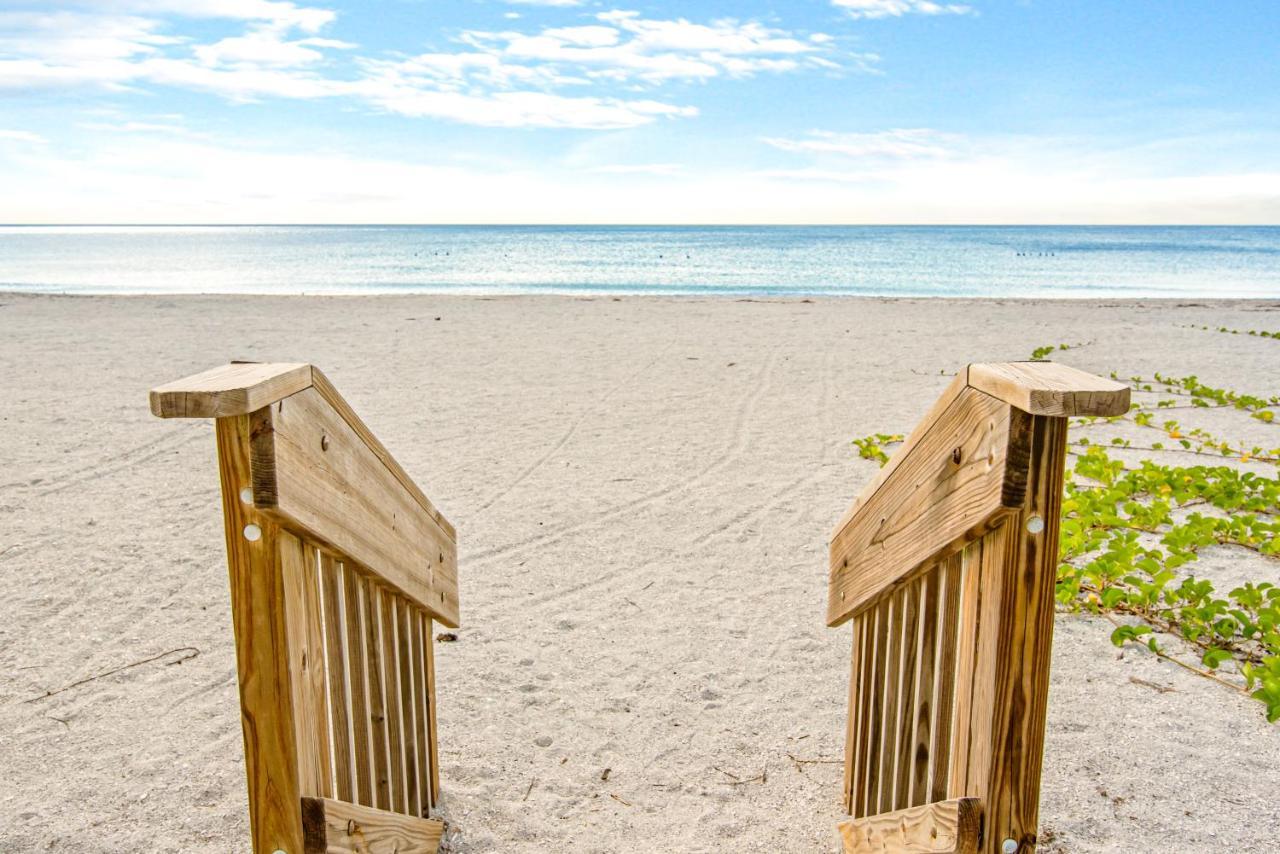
246 495
1009 846
252 533
1035 524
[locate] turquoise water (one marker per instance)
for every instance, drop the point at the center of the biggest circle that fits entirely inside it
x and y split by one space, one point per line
1007 261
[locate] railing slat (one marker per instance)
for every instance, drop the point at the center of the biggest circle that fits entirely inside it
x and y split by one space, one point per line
918 777
433 750
391 682
420 711
409 718
853 725
336 678
952 577
353 632
904 745
305 630
377 695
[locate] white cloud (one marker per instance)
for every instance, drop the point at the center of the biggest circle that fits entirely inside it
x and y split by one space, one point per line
1027 180
638 169
508 79
898 144
898 8
276 13
22 136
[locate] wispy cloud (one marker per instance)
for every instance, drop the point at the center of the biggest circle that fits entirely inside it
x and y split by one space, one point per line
22 136
898 8
545 77
638 169
897 144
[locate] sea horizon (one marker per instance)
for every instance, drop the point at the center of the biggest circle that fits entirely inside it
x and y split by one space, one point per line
1003 261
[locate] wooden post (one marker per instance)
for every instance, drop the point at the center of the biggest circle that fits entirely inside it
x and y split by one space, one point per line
262 659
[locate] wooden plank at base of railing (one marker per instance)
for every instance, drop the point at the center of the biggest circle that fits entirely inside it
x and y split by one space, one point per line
946 827
337 827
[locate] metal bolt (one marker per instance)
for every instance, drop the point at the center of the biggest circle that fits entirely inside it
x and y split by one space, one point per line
1009 846
252 533
1035 524
246 495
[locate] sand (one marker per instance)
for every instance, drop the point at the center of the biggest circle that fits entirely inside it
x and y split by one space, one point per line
643 490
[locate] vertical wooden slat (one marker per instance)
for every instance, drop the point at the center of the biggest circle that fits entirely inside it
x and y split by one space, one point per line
904 749
871 712
353 635
953 578
420 711
408 712
336 678
377 696
266 702
889 706
926 686
305 631
391 683
433 750
852 728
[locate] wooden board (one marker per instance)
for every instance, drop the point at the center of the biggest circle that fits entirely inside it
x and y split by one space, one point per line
262 662
1002 694
336 827
1046 388
317 473
946 827
306 651
235 389
948 487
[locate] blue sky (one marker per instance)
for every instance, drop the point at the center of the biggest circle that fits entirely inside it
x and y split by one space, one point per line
562 111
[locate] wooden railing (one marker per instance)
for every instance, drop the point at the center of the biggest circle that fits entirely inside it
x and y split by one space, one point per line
946 565
338 564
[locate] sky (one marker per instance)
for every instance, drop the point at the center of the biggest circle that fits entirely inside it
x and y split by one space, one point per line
594 111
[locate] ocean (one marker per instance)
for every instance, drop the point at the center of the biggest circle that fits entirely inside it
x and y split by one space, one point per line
951 261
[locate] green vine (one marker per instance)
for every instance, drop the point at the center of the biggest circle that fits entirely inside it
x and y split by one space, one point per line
1129 533
1260 333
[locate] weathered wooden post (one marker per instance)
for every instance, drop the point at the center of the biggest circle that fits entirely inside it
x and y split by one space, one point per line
338 566
946 564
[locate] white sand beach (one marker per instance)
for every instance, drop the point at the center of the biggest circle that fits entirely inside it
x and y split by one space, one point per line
643 490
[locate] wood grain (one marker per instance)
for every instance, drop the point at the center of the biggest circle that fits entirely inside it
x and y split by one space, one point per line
336 827
229 390
1047 388
946 827
262 663
313 470
1002 698
305 634
946 489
